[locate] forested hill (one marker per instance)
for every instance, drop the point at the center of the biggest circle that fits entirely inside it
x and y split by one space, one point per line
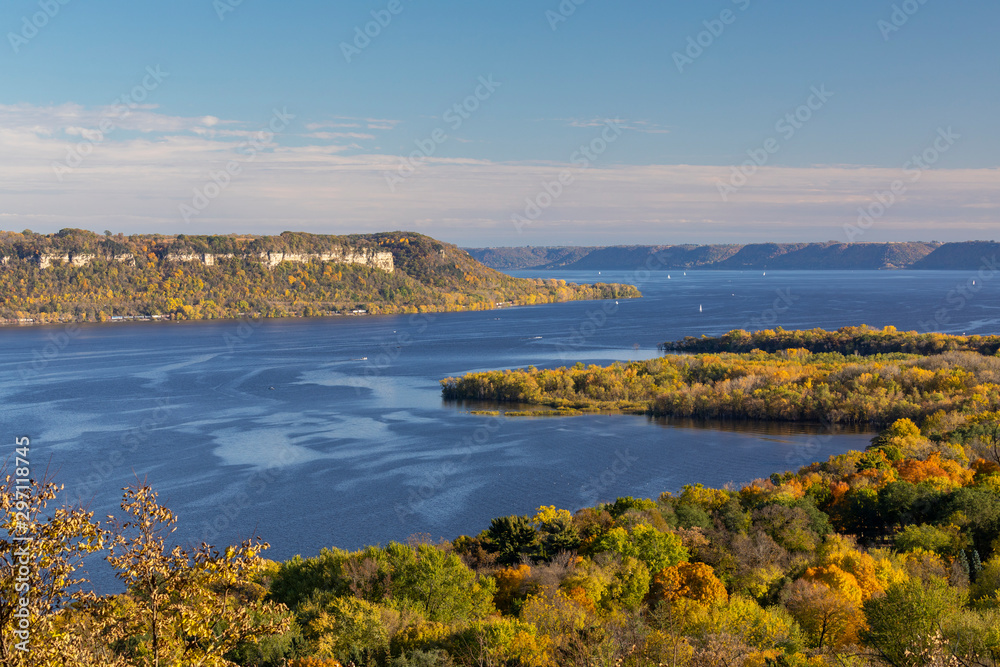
863 340
970 255
76 275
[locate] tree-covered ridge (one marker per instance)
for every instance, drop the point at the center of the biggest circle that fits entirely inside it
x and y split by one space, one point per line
789 385
967 256
788 256
885 557
863 340
27 244
429 276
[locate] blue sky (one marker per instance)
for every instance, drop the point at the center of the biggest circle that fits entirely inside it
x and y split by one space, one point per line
257 118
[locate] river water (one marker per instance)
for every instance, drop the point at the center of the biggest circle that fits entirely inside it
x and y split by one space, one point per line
332 432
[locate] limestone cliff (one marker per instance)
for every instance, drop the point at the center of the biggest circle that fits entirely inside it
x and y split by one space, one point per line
363 256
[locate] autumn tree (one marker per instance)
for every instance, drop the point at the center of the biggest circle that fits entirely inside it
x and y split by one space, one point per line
690 581
437 584
987 427
346 629
655 548
184 607
40 554
829 618
555 530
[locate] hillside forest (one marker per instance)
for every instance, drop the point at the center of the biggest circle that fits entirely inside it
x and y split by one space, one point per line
888 556
429 276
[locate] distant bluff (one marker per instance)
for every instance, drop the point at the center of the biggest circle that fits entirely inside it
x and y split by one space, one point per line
78 276
969 255
79 248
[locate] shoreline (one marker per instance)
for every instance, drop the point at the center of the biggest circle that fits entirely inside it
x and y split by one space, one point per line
165 319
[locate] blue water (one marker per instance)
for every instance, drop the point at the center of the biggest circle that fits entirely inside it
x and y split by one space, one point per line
332 432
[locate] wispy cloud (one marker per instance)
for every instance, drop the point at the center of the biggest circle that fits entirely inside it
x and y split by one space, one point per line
352 122
644 126
135 181
320 126
339 135
72 119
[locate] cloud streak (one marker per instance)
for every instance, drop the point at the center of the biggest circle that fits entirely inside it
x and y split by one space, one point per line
643 126
135 181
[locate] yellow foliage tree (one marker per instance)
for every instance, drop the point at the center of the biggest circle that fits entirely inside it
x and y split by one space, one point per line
691 581
829 618
39 556
187 608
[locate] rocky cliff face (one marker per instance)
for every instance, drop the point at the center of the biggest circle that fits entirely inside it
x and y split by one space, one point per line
365 257
73 259
374 259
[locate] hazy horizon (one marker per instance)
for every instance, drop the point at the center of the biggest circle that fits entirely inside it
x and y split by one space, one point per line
564 122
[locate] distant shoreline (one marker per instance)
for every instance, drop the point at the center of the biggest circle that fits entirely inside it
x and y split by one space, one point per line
915 256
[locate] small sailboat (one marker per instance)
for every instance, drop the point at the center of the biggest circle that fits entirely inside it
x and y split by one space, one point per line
668 276
764 274
700 308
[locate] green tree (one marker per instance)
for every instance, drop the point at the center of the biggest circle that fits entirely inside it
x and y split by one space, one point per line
556 532
437 584
512 537
903 623
929 538
656 549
